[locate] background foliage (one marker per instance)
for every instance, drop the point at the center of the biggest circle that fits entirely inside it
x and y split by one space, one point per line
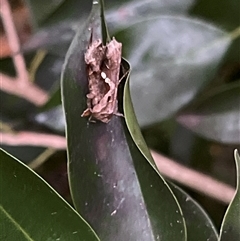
184 83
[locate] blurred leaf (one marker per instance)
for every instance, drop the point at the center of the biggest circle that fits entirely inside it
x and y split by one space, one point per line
41 10
233 53
56 38
14 107
24 153
45 13
54 100
7 67
136 10
199 225
112 184
170 66
225 14
69 10
51 114
53 119
221 12
230 229
216 114
26 200
197 222
49 71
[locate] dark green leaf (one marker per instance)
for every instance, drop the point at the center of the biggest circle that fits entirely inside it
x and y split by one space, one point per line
54 11
216 115
54 100
31 210
199 225
24 153
230 229
48 72
113 186
20 106
41 10
221 12
233 54
170 66
55 38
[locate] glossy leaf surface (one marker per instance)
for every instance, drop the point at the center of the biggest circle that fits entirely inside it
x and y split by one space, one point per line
230 229
199 224
216 115
31 210
197 221
170 66
112 184
135 11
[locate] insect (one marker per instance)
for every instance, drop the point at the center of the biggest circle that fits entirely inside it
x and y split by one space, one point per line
103 68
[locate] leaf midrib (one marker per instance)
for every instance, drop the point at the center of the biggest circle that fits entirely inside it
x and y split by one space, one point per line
18 227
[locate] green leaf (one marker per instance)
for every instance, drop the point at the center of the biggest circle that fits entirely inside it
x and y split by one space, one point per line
24 153
170 66
31 210
197 222
47 73
215 11
230 229
134 11
54 100
45 13
112 184
199 225
56 38
41 10
216 114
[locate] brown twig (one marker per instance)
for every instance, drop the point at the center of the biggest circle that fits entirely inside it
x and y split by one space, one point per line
20 86
26 90
41 158
14 44
27 138
193 179
167 167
